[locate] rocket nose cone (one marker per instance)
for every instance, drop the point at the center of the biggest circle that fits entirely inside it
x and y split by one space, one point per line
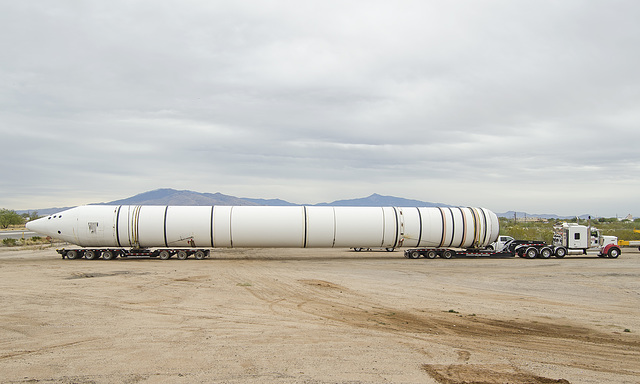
39 225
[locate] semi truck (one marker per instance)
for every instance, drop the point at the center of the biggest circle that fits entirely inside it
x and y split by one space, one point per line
568 238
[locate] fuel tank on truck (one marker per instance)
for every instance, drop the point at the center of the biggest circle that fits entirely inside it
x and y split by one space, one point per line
146 226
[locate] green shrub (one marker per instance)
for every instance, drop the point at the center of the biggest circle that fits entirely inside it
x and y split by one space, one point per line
9 242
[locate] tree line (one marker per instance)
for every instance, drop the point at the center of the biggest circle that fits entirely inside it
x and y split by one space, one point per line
10 217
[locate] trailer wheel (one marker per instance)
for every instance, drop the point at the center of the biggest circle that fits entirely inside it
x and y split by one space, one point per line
89 255
614 253
561 252
414 255
72 255
447 254
107 255
546 253
432 254
164 255
531 253
389 249
357 249
182 255
199 255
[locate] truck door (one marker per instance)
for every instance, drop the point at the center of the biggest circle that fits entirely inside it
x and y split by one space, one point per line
577 239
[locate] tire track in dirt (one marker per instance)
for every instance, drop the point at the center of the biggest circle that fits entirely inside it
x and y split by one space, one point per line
570 343
45 349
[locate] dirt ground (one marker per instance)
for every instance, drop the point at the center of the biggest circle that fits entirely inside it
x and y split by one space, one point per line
318 316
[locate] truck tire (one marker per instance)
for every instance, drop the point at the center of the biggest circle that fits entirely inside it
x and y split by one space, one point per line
90 254
431 254
546 252
72 255
614 252
182 255
447 254
414 255
561 252
199 255
531 253
164 255
107 255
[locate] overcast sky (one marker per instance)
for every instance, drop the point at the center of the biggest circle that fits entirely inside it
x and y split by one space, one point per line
509 105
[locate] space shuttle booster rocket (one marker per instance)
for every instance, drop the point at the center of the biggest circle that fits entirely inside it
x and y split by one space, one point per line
147 226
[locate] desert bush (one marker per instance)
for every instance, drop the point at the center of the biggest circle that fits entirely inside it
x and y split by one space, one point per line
9 242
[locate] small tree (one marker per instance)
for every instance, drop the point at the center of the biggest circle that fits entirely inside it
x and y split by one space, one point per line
30 216
9 217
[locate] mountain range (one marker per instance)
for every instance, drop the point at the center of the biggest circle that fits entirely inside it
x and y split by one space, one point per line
167 196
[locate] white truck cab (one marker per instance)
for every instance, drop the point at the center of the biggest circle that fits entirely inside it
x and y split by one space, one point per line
580 237
500 244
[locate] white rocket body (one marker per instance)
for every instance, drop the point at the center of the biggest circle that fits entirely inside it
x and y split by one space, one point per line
147 226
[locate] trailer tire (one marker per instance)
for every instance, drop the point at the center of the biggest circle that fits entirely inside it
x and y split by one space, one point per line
108 255
72 255
414 255
561 252
182 255
431 254
199 255
164 255
613 252
389 249
90 254
531 253
447 254
357 249
546 252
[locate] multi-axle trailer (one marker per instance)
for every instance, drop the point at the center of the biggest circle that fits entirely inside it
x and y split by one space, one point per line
112 253
568 238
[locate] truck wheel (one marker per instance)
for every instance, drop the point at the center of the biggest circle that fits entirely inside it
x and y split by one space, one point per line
107 255
182 255
72 255
199 255
531 253
414 255
546 253
613 253
432 254
561 252
164 254
89 255
447 254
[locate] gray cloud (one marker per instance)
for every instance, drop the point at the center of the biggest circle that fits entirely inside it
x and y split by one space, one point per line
526 105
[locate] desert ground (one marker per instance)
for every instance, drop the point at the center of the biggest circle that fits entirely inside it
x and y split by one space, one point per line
318 316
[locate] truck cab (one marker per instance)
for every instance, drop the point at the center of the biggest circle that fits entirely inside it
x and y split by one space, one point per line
501 244
580 237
